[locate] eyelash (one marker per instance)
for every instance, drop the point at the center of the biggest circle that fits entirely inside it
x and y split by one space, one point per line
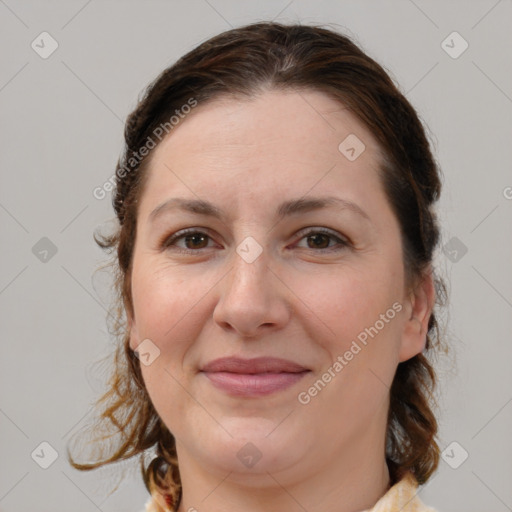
168 241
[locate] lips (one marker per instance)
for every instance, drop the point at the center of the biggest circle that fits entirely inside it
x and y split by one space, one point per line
253 377
252 366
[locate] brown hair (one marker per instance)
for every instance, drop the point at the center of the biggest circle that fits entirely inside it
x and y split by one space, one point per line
243 62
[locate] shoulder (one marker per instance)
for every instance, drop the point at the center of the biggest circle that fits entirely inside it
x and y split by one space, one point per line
153 506
403 497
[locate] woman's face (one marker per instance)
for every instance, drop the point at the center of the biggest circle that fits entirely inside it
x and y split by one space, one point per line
296 255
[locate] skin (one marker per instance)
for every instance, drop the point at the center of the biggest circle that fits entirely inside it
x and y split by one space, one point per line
297 301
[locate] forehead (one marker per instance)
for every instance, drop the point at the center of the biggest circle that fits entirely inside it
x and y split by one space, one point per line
282 118
274 143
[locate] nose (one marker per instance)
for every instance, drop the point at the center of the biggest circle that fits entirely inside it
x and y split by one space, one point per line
252 298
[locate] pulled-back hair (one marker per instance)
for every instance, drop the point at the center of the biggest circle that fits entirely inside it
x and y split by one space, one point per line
244 62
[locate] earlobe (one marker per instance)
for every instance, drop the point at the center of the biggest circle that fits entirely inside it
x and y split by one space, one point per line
134 337
414 336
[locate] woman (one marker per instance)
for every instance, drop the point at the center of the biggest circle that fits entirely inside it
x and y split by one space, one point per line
274 257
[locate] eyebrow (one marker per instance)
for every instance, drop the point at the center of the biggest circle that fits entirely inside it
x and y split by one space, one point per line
285 209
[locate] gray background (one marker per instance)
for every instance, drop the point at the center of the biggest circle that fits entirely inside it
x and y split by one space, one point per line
61 132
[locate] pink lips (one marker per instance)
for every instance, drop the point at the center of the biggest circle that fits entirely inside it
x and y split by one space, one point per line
253 377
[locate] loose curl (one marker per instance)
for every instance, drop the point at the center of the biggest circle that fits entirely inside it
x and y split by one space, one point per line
242 63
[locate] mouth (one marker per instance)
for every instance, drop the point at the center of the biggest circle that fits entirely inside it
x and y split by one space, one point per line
253 377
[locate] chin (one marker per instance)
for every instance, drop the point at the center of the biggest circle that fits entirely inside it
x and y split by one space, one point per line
256 447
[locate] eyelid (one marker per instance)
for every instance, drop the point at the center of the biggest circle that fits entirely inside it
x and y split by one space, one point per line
167 240
319 229
342 241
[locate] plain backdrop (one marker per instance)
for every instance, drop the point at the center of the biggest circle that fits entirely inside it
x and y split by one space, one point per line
61 132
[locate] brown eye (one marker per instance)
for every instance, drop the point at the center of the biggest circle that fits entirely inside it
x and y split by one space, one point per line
321 240
192 240
196 241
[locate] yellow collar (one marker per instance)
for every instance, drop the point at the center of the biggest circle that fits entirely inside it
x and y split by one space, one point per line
402 497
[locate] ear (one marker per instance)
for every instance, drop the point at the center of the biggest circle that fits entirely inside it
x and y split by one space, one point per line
421 303
134 335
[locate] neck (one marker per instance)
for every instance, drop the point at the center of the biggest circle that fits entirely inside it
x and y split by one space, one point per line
352 483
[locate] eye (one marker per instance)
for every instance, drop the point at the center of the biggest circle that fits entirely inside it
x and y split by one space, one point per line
192 238
320 239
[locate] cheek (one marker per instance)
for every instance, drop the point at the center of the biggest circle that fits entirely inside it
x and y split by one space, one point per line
358 319
169 307
362 322
159 296
169 312
347 299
